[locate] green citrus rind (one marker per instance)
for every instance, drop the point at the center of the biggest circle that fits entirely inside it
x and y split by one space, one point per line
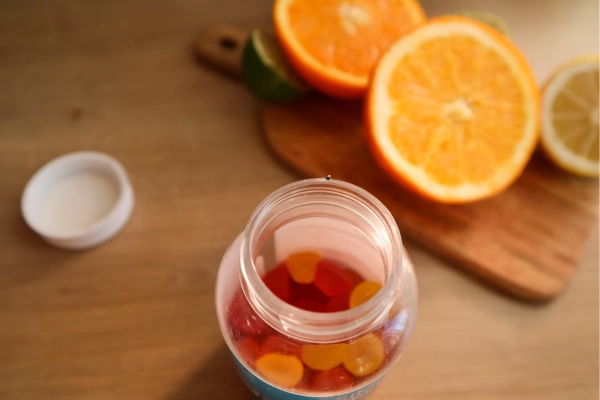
266 71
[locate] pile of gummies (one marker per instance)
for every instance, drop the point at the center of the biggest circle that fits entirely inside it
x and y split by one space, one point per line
309 282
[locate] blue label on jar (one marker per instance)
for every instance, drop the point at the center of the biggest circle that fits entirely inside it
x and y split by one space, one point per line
265 391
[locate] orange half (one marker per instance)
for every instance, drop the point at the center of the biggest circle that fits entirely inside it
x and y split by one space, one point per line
335 44
453 110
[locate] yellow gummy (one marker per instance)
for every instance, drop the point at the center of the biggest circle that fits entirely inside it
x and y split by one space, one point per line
364 356
282 370
322 357
363 292
303 266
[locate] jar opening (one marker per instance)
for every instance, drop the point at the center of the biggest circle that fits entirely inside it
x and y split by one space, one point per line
343 223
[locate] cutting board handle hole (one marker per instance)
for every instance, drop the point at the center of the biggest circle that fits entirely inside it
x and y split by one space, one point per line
228 43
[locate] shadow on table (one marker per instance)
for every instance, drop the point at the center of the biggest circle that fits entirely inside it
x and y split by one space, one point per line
25 256
215 379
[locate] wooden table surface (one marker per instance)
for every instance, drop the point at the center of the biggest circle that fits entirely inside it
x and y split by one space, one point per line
134 318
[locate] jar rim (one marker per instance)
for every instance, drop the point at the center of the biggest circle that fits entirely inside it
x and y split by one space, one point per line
315 326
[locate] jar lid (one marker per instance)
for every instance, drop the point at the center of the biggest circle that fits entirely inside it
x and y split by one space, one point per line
78 200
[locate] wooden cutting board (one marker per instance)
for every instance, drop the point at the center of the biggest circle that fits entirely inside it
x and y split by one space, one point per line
526 241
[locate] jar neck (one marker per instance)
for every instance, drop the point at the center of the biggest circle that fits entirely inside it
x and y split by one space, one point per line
327 199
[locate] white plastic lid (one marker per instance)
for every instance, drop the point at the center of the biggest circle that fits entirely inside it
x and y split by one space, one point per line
78 200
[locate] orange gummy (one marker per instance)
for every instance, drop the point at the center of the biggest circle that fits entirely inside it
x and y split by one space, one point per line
322 357
282 370
303 266
363 292
364 356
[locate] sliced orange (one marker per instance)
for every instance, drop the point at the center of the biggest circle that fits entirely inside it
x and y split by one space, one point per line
453 110
335 44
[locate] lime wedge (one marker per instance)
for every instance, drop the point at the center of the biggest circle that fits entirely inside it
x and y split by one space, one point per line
488 18
266 71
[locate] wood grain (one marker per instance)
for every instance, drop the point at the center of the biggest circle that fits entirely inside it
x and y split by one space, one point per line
134 319
527 241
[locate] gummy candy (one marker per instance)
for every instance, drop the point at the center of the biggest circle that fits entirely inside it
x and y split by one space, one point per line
354 276
278 281
282 370
364 355
249 350
331 279
302 266
363 292
309 305
338 303
310 291
243 318
278 344
323 356
331 380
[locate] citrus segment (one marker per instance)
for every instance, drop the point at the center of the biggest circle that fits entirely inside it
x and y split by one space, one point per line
334 44
453 110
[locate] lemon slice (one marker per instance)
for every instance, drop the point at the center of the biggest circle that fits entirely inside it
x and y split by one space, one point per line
570 116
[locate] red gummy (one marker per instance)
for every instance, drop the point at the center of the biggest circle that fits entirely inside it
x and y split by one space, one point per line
249 350
331 279
332 380
338 303
342 302
354 276
309 291
279 282
309 305
278 344
242 318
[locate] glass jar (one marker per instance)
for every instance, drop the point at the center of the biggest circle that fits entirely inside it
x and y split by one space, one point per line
354 348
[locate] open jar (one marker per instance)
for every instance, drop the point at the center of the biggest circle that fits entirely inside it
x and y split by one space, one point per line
286 351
